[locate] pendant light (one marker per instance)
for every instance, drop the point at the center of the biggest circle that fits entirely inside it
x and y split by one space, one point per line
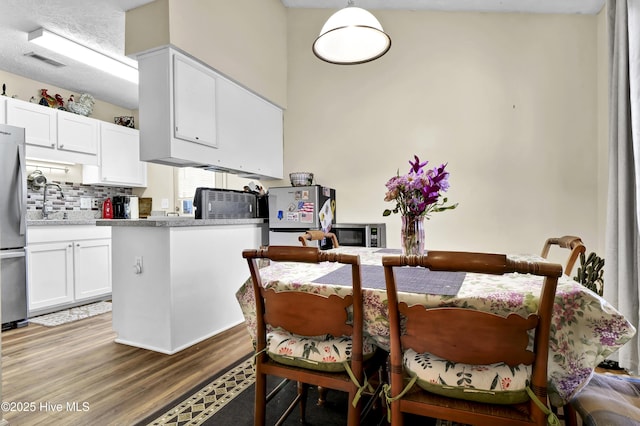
351 36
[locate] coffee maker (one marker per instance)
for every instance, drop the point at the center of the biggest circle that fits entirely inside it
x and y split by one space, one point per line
121 208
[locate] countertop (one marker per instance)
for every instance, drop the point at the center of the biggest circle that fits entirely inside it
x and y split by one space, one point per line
177 221
162 221
58 222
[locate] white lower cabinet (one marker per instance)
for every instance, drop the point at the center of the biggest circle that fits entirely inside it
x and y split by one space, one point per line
92 268
50 274
67 265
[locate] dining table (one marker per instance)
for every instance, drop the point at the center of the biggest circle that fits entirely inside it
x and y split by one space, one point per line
585 328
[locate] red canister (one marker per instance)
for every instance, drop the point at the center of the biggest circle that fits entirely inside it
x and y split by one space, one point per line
107 209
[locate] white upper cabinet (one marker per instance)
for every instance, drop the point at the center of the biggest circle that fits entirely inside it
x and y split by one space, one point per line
191 115
250 129
194 102
55 135
78 133
119 163
3 111
39 122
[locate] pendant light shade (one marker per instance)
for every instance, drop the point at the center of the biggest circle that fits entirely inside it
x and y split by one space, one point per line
351 36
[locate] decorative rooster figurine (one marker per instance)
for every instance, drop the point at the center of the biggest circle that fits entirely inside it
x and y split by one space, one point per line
70 103
83 106
47 99
60 102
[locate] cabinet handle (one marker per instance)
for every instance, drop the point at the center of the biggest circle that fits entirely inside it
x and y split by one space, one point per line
77 244
53 145
61 146
70 245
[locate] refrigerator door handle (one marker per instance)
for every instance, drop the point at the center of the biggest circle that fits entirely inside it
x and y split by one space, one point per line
22 191
12 254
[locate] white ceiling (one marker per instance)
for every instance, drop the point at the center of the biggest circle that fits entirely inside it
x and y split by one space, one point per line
99 24
523 6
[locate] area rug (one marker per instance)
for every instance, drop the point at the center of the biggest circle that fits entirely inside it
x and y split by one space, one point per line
72 314
205 400
228 398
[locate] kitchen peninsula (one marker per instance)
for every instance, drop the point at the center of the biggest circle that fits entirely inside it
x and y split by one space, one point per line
175 278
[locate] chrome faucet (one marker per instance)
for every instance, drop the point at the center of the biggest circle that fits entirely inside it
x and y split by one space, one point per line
45 210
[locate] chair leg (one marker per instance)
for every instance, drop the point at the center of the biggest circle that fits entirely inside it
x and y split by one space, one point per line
260 399
570 416
322 396
396 415
303 390
353 414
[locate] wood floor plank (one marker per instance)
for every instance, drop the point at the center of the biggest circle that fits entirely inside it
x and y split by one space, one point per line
109 383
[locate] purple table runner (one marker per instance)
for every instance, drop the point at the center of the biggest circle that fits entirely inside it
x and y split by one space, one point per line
408 279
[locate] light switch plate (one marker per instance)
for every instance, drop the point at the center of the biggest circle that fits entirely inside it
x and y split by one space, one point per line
85 202
165 203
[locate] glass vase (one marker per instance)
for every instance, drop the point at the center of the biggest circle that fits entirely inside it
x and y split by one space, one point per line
412 233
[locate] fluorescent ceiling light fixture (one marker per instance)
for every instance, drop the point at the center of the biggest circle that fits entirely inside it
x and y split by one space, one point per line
351 36
83 54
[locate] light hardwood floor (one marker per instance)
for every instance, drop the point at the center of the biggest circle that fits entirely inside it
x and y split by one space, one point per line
45 368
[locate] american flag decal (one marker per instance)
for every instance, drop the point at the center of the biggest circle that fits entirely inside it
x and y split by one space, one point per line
305 207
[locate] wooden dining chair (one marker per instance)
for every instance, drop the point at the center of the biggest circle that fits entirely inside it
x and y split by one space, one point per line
310 338
574 244
464 365
316 235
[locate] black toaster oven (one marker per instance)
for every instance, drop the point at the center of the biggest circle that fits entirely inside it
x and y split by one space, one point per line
216 203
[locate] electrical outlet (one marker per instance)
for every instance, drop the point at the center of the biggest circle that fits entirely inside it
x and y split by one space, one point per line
95 203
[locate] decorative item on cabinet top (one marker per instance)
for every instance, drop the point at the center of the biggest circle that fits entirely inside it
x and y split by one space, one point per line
126 121
83 106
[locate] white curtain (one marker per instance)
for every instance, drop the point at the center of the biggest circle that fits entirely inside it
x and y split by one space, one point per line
622 257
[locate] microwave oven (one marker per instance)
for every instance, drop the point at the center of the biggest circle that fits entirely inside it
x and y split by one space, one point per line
361 234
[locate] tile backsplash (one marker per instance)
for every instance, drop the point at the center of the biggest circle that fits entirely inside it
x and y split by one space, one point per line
70 203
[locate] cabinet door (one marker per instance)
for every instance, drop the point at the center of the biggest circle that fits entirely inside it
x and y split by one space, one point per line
77 133
50 274
3 111
194 97
120 156
249 131
39 122
92 268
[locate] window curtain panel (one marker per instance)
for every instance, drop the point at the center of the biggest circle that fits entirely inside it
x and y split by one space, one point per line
621 277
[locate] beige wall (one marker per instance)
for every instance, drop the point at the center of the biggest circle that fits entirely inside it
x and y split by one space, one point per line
508 100
603 129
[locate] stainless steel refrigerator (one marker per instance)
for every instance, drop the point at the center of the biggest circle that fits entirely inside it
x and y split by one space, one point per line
13 227
296 209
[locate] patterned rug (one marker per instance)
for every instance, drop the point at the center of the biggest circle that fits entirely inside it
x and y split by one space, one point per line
203 402
72 314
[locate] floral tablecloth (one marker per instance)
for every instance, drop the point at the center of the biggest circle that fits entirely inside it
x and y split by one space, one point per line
585 328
